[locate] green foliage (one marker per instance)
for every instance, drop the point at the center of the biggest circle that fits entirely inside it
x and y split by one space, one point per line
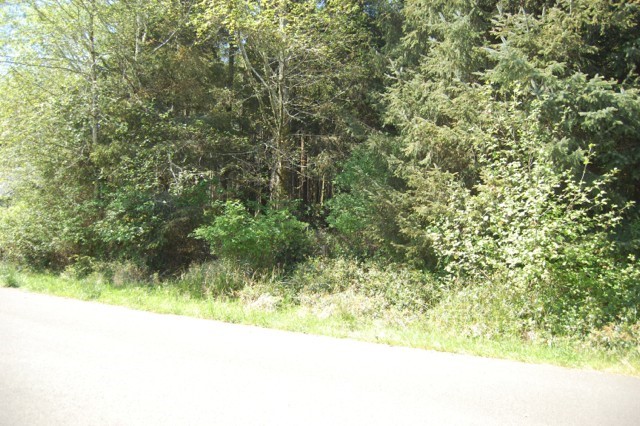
38 235
516 146
579 109
362 211
267 240
128 222
521 214
542 243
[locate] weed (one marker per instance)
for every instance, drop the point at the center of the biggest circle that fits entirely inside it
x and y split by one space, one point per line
212 279
8 277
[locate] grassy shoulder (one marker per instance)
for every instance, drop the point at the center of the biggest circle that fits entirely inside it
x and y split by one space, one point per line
325 317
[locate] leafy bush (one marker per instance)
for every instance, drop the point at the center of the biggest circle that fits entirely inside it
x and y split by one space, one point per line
37 235
538 244
267 240
130 223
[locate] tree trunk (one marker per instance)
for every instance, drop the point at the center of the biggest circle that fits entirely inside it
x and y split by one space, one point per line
279 184
302 182
93 74
232 64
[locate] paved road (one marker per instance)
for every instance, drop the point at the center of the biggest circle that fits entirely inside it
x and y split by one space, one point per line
65 362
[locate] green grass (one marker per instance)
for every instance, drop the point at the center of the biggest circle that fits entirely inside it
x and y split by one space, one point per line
170 299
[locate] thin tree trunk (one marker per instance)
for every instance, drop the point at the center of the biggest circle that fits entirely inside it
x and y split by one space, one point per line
93 74
232 65
279 185
303 171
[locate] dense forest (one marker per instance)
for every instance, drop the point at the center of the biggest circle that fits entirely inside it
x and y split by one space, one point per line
474 162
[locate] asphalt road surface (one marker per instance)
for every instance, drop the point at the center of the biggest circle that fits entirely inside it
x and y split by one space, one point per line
66 362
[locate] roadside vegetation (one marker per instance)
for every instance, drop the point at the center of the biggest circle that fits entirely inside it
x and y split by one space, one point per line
459 175
325 304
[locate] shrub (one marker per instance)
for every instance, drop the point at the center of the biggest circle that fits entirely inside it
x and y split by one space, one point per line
270 239
33 235
542 241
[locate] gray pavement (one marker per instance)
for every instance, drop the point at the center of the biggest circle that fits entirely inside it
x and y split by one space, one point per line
66 362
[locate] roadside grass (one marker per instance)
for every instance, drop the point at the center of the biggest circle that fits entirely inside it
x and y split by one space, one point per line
166 298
